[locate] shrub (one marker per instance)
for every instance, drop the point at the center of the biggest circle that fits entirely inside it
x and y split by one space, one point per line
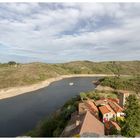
131 125
54 125
83 96
12 63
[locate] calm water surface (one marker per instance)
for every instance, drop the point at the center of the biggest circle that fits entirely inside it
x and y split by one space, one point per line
21 113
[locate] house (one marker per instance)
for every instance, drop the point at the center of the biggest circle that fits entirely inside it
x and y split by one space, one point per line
117 109
109 108
111 127
122 97
107 113
87 121
81 124
105 101
116 100
90 106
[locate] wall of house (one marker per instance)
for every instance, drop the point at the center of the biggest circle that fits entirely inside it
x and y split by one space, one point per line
119 114
107 116
121 99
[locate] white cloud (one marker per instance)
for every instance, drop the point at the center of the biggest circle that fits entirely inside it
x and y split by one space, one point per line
70 31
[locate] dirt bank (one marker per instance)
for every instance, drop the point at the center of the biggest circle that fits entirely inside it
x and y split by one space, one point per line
14 91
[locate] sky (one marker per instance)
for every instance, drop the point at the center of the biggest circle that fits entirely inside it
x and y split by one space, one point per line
63 32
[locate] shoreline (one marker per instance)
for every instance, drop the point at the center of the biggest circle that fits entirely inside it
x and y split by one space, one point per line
15 91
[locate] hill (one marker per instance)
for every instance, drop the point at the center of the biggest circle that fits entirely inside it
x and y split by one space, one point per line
12 75
124 67
122 83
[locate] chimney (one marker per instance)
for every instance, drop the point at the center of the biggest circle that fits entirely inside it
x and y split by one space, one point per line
105 101
77 122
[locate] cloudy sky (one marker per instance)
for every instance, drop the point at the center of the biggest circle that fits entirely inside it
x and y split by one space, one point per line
61 32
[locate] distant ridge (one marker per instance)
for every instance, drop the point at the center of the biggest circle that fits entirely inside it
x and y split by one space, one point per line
31 73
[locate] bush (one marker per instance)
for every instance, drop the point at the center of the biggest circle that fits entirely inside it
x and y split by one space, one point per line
83 96
131 125
93 95
12 63
122 83
54 125
47 127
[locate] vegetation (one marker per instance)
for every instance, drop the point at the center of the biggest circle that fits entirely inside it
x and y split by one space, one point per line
83 96
96 95
12 63
27 74
114 131
115 68
111 67
124 83
131 125
136 84
53 126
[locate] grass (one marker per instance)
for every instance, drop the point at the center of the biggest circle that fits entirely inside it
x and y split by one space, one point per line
96 95
27 74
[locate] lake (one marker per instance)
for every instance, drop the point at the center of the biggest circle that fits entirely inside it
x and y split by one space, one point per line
21 113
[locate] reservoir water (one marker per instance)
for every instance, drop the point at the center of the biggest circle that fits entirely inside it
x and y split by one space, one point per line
21 113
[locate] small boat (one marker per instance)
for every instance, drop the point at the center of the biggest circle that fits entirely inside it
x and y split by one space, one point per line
71 84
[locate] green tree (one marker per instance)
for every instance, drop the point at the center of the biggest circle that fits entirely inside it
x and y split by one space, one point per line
12 63
136 84
131 125
93 95
114 131
66 113
45 128
83 96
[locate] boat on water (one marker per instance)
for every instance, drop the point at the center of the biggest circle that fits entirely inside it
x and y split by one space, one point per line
71 84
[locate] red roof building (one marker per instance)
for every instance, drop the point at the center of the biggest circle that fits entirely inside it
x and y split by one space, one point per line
90 106
117 109
84 124
107 113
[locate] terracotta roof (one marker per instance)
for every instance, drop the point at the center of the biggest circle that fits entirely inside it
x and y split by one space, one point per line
91 105
104 109
115 107
111 110
113 100
92 125
87 124
105 101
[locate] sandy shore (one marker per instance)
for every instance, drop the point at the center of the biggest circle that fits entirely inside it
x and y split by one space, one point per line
14 91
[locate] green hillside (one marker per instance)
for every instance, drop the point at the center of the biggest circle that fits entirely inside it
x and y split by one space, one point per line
125 67
12 75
